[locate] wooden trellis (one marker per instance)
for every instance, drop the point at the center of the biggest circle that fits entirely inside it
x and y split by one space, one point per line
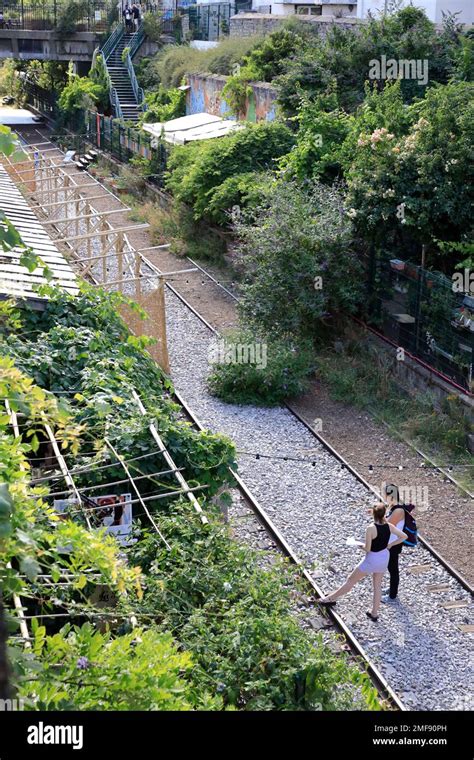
100 252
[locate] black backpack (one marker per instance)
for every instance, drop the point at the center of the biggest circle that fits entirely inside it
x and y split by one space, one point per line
409 527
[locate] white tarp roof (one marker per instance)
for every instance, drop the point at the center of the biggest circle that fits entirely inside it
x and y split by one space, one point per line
15 280
10 116
196 126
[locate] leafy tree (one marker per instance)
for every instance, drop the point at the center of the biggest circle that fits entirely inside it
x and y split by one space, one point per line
322 129
80 94
342 59
426 168
70 13
10 83
297 249
99 76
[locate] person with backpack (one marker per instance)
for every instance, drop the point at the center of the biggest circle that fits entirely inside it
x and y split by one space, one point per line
400 515
127 15
375 563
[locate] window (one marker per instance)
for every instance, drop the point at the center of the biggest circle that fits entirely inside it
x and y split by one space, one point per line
308 10
29 45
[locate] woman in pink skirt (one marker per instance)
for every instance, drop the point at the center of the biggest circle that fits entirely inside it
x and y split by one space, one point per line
377 538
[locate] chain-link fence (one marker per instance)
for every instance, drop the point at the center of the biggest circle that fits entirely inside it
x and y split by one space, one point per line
426 314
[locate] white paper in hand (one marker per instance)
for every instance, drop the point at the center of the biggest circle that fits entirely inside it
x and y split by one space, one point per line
351 541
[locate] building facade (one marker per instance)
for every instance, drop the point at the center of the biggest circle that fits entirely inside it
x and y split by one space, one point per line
434 9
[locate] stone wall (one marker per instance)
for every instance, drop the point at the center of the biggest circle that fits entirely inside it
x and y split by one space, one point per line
205 96
250 24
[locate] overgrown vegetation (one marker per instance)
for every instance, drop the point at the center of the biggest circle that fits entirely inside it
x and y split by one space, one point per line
197 172
79 95
164 104
214 630
172 62
360 375
248 369
300 265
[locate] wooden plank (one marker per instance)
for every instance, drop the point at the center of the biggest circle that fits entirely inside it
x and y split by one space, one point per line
455 604
416 569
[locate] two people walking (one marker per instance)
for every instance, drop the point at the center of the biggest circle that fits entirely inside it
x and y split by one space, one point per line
384 539
132 16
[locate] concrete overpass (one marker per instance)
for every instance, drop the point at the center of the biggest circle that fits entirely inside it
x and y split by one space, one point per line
47 45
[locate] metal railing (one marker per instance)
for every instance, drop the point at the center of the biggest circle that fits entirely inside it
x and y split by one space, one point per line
137 90
135 44
50 15
111 42
107 49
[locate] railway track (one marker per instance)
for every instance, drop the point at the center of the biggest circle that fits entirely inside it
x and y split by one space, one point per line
437 556
389 697
381 683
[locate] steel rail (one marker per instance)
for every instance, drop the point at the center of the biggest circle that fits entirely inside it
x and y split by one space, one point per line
377 678
436 555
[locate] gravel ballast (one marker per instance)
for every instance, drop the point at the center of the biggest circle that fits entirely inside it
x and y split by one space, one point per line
417 644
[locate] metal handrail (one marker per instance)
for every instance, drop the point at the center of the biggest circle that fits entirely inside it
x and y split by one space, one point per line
107 49
137 90
137 40
116 103
111 42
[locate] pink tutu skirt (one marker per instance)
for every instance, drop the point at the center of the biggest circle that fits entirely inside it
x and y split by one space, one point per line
375 562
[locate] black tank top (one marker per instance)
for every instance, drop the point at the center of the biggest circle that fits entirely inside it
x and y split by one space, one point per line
380 542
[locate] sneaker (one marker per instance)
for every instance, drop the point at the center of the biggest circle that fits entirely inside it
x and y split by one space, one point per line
388 600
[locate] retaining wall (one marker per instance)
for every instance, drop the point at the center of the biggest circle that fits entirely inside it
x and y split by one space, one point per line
205 96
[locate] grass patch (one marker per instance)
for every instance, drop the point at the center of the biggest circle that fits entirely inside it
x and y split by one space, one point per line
363 377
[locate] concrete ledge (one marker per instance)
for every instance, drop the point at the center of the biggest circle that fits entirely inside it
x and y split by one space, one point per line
47 45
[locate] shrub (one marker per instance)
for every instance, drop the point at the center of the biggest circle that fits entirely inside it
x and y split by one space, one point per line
277 371
297 252
173 62
240 191
142 670
164 105
196 171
